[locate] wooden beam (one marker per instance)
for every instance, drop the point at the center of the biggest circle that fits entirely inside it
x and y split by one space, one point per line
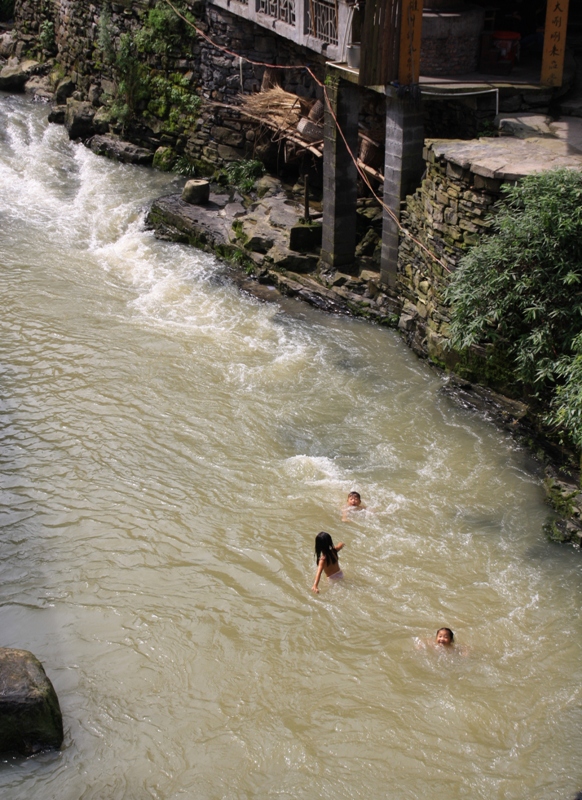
410 35
554 43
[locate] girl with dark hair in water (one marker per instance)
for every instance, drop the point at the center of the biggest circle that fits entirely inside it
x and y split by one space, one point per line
327 559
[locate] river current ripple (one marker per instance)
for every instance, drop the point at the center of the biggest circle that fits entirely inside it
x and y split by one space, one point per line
170 447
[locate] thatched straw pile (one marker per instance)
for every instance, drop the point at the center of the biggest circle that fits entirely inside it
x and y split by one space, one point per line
276 107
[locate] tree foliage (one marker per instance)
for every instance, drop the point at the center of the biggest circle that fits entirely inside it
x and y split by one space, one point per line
519 293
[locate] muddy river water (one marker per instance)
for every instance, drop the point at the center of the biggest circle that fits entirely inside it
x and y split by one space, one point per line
170 447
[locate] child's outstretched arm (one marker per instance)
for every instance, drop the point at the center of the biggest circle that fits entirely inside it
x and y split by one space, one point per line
339 546
320 566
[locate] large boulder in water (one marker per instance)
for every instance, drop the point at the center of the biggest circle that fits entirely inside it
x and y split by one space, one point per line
30 715
79 119
115 148
14 75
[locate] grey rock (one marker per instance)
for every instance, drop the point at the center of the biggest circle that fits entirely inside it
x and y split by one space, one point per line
79 119
283 214
13 77
57 115
101 120
259 244
94 95
39 87
294 262
117 149
7 44
407 322
368 244
64 90
305 238
268 186
30 715
229 153
208 226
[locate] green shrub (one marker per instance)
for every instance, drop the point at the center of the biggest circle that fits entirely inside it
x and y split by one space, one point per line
132 88
172 99
243 174
105 35
46 35
164 31
519 293
185 166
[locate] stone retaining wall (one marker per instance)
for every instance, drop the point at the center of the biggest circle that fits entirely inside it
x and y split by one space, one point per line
220 134
449 213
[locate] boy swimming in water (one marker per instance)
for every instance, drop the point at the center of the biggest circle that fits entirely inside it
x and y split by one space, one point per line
354 503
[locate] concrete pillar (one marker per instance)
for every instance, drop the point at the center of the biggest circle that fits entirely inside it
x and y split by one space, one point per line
403 168
340 191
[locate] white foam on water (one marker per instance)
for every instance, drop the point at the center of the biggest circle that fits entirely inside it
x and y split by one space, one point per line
315 471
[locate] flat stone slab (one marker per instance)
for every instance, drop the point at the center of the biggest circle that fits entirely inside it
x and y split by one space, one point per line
262 229
209 225
524 126
563 137
30 716
507 158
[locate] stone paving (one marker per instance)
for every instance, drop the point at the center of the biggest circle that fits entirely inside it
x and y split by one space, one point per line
536 144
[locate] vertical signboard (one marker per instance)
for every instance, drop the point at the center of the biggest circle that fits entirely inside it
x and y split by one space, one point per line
554 42
410 34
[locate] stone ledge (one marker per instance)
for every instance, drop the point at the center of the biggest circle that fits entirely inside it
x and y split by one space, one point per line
506 159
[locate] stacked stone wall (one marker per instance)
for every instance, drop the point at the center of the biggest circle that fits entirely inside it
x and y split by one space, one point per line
446 216
220 133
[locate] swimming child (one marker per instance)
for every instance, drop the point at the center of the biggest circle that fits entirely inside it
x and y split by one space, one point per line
327 559
444 640
444 637
354 503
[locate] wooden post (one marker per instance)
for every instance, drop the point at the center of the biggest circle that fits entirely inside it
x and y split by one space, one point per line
410 34
554 42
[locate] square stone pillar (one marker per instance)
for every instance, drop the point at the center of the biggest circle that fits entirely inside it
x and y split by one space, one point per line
403 168
340 178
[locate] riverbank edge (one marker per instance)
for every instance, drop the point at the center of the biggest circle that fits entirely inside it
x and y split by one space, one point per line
364 297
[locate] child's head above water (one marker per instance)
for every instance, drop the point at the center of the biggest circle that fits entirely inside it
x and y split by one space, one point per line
324 547
445 637
354 499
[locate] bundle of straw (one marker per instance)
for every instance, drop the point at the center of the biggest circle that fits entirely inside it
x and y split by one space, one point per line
276 107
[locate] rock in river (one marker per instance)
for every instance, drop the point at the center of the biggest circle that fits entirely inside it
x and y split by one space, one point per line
30 715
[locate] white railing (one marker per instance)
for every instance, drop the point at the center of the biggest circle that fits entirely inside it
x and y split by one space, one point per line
322 20
278 9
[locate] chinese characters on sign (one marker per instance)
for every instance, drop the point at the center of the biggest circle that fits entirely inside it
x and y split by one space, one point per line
554 42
